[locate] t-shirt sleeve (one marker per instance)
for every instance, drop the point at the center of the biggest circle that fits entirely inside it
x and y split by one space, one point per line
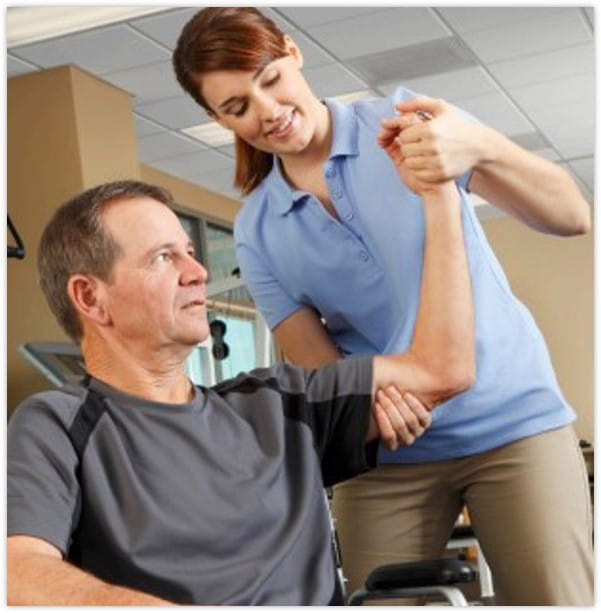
336 405
42 487
402 94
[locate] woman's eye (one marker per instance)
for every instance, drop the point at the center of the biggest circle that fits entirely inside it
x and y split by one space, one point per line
272 81
239 111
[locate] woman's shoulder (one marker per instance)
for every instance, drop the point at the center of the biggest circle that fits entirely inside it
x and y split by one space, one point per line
383 106
252 209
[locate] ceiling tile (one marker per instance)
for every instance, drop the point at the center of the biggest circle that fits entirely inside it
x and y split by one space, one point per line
564 111
147 83
567 92
313 55
412 61
588 192
99 51
220 181
449 85
164 145
165 27
475 19
15 67
332 80
554 31
175 113
556 64
280 21
572 137
145 127
379 31
310 17
547 153
496 111
194 164
229 150
533 141
585 169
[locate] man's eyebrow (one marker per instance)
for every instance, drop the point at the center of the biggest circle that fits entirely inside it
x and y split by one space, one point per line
154 250
236 98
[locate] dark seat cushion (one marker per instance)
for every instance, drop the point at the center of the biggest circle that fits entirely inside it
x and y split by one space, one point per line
416 574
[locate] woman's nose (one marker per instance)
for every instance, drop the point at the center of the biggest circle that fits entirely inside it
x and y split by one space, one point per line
268 108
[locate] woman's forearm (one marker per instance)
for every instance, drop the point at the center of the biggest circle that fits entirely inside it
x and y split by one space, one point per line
532 189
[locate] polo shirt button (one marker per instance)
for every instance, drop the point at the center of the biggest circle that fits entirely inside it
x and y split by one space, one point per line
338 195
348 216
364 255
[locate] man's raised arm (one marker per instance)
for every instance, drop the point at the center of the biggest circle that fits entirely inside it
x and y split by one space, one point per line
440 362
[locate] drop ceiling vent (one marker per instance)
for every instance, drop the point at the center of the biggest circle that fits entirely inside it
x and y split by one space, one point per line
420 60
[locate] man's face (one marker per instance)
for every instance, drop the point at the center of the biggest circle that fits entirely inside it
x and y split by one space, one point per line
156 295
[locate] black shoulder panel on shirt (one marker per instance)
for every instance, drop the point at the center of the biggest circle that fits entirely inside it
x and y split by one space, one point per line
87 417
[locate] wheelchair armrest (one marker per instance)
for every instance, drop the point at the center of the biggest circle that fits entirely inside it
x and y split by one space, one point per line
416 574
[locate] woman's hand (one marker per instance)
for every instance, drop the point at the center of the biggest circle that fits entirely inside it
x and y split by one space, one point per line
400 418
391 139
443 148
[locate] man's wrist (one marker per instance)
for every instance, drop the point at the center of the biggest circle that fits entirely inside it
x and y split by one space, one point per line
439 192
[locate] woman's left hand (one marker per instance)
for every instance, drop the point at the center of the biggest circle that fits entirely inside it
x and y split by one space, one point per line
443 148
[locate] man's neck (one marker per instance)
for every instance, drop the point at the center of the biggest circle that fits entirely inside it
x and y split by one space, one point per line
160 378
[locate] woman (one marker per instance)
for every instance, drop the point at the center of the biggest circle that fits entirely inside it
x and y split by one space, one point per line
330 242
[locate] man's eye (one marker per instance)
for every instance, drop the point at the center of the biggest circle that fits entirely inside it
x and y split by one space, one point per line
165 256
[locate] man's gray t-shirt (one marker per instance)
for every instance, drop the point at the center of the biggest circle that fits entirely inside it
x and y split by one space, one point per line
216 501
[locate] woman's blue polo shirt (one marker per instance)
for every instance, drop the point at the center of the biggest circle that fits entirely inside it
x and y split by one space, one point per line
363 275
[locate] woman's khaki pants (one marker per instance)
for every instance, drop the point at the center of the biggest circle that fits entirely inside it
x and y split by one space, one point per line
529 504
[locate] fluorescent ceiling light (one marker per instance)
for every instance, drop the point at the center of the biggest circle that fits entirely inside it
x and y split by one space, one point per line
29 24
211 133
354 96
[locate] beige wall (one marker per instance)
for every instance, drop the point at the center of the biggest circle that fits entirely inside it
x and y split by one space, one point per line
553 276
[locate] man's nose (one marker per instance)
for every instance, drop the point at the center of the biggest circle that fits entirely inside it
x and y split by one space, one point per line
193 271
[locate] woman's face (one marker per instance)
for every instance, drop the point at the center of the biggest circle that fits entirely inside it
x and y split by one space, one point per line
272 109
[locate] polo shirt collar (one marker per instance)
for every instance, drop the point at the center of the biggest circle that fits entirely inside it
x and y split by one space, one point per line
344 142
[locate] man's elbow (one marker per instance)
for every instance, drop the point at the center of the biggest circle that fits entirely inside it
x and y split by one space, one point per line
576 219
581 223
453 379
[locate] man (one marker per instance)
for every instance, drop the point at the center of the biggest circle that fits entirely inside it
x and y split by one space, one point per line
138 487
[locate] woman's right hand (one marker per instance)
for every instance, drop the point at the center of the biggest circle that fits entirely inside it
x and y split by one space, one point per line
400 418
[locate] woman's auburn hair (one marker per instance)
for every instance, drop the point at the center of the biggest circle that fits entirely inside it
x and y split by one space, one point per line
229 38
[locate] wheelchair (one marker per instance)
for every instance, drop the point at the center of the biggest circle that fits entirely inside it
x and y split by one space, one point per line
424 579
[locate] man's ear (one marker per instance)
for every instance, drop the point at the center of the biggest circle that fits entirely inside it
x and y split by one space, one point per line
294 50
87 297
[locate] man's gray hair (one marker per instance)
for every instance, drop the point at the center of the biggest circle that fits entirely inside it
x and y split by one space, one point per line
76 241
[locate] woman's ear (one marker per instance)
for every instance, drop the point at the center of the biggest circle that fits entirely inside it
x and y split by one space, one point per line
294 50
87 297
